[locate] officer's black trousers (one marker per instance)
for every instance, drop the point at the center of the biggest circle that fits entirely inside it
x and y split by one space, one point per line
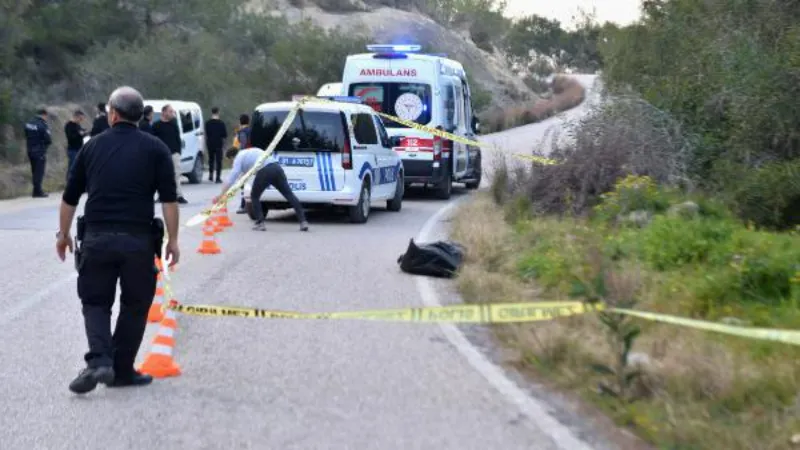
273 175
109 257
38 161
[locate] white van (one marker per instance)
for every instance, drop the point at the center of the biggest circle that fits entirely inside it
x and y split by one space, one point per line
191 125
430 90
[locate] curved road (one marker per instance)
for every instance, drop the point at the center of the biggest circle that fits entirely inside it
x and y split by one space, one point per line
259 384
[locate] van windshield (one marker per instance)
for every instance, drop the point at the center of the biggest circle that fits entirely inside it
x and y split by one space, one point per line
310 131
409 101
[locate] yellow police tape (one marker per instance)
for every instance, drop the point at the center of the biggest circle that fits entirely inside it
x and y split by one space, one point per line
206 213
441 133
487 313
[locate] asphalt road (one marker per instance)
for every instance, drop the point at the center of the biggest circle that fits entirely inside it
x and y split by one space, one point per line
250 383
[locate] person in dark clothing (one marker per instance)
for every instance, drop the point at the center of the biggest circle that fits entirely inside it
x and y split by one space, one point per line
167 130
120 170
75 133
101 121
216 133
38 139
147 119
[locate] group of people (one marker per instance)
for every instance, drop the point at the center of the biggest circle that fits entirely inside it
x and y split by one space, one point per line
121 169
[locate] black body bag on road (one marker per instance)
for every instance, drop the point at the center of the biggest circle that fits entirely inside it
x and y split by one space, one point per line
438 259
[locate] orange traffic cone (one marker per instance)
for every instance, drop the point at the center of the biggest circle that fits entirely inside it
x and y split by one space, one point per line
159 362
218 228
155 314
209 245
222 217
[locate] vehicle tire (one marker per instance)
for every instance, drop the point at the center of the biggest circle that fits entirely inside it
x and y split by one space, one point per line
248 206
396 204
196 175
477 183
359 213
445 188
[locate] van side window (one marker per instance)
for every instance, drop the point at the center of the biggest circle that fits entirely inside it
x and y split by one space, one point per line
186 121
364 129
467 107
449 106
459 106
382 132
196 115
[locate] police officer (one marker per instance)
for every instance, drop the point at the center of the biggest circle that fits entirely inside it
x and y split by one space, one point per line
37 137
120 170
146 124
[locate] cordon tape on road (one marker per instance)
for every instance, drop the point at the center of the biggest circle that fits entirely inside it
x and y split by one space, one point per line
496 313
206 213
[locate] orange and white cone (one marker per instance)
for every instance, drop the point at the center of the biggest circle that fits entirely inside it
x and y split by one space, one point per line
159 362
155 314
222 217
209 245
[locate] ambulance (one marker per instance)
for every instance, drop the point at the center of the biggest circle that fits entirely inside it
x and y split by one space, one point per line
429 90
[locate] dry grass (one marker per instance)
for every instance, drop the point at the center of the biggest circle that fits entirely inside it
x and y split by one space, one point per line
567 93
700 390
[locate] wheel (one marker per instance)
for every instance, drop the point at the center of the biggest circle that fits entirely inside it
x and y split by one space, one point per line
196 175
396 204
479 170
359 213
445 188
248 206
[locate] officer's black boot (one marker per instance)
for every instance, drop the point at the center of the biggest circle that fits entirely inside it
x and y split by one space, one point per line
134 379
89 377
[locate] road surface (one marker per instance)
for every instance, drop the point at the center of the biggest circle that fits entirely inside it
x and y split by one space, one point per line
260 384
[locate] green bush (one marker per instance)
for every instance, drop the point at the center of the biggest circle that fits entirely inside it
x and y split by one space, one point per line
770 196
632 193
672 242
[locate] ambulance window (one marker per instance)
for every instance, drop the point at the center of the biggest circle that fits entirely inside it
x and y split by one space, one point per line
364 129
408 101
459 104
314 131
448 96
186 121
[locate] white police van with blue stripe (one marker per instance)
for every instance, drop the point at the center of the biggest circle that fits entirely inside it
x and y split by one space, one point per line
333 154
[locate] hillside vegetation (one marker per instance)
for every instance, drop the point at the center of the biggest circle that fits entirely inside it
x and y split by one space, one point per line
234 53
680 194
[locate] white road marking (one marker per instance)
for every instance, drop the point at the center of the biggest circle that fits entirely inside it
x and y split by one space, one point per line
533 409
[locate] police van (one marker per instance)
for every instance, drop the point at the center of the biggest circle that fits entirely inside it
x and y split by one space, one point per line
426 89
335 154
189 117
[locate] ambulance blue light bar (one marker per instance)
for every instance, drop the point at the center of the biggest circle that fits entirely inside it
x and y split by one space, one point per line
389 48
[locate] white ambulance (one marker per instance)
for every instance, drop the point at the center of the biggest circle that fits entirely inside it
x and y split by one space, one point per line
430 90
334 154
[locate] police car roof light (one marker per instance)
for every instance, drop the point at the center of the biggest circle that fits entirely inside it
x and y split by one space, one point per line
343 99
390 48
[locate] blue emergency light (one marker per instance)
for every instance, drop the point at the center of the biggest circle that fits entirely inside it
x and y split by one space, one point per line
392 48
344 99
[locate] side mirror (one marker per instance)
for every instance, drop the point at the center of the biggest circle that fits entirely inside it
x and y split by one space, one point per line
395 141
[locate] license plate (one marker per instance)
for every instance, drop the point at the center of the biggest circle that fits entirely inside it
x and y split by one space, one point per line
296 161
295 185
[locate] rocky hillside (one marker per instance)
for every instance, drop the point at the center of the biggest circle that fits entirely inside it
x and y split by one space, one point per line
488 72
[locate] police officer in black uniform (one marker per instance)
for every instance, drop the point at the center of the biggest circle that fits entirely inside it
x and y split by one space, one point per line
120 170
37 137
100 123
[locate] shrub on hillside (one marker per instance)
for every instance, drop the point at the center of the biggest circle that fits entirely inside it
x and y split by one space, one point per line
623 136
769 196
